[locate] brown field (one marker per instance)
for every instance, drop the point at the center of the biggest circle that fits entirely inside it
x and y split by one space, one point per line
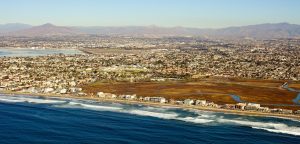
257 91
295 86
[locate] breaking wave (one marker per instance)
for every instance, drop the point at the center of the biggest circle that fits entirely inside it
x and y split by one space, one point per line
17 99
88 106
287 130
154 114
268 126
198 120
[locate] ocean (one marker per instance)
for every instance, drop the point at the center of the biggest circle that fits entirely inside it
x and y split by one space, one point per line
35 120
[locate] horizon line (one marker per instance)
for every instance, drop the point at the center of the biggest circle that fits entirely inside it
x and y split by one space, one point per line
150 25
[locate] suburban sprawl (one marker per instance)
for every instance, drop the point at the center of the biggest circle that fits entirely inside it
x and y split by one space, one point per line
129 59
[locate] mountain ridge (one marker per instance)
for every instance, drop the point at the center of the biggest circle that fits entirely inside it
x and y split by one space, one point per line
259 31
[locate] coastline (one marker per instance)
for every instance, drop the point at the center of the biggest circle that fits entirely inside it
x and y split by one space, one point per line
225 111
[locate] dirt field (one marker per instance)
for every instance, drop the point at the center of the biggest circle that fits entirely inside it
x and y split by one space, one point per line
263 92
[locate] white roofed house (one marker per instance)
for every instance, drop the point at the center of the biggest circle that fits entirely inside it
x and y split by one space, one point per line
48 90
252 106
241 106
32 90
155 99
75 89
63 91
286 111
81 94
200 102
188 102
297 112
263 109
113 96
101 94
128 97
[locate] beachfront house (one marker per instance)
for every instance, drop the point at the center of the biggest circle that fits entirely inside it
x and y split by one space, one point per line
155 99
101 94
252 106
81 94
113 96
229 106
63 91
75 89
241 106
48 90
263 109
286 111
297 112
128 97
32 90
200 102
188 102
275 110
179 102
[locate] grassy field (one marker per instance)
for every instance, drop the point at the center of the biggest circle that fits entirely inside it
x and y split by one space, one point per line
257 91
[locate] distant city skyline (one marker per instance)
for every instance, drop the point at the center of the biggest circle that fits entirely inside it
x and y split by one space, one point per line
166 13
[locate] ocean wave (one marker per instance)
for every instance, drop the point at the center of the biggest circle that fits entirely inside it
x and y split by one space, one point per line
197 120
10 100
154 114
292 131
98 107
14 99
268 126
43 101
204 114
157 109
88 106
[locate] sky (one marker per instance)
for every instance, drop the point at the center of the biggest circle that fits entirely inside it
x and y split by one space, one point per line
167 13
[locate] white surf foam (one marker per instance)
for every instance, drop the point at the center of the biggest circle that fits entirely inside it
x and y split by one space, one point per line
271 127
10 100
287 130
43 101
89 106
156 109
197 120
154 114
16 99
98 107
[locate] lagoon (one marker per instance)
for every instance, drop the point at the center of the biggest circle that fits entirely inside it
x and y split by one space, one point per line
23 52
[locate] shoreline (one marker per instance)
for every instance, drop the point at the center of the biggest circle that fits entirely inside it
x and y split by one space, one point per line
225 111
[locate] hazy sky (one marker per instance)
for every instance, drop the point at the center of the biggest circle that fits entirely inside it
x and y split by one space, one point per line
188 13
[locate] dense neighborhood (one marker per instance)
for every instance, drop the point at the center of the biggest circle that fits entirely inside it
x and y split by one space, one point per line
143 59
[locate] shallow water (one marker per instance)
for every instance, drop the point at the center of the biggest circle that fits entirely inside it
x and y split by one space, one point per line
12 52
26 119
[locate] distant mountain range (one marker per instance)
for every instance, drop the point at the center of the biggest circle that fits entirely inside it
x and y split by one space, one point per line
261 31
10 27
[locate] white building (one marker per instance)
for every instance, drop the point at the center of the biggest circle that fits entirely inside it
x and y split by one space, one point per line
155 99
48 90
252 106
200 102
63 91
188 102
101 94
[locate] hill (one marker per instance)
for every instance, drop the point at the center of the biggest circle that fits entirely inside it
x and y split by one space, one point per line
261 31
